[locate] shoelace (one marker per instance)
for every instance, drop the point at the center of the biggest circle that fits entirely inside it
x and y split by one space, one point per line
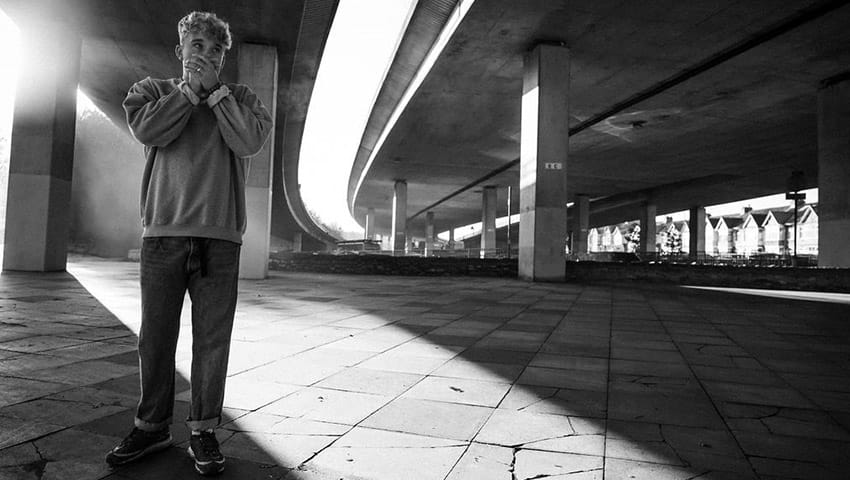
135 434
209 444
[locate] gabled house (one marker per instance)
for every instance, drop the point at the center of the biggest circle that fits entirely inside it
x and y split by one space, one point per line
608 241
727 234
807 230
750 240
711 235
684 234
775 231
593 240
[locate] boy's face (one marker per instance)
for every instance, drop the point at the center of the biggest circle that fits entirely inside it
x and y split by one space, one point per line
202 45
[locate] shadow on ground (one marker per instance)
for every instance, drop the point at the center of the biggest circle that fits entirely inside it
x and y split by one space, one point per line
366 377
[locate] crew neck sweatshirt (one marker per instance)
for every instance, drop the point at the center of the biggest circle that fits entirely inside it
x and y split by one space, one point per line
196 157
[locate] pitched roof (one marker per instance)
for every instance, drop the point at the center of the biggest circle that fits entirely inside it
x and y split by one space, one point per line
782 216
732 221
758 218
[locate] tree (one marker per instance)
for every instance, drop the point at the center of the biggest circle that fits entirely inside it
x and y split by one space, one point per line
632 238
673 243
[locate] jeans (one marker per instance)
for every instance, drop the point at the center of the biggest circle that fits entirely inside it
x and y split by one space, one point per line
209 270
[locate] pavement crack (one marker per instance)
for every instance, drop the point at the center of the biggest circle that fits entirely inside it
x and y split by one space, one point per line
669 444
512 466
37 467
699 475
540 400
559 474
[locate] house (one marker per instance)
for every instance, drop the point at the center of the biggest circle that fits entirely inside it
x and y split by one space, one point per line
775 231
807 230
593 240
685 235
727 234
711 235
672 237
750 240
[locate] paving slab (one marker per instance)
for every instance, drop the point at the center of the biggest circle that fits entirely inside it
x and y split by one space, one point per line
365 378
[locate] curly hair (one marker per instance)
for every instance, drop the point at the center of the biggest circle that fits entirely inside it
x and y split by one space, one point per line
205 22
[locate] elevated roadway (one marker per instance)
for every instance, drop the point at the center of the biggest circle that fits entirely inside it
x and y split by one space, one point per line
678 103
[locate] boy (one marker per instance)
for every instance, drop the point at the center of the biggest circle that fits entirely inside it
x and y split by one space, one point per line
197 133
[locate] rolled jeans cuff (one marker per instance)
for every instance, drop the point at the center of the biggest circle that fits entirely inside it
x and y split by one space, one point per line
150 426
207 424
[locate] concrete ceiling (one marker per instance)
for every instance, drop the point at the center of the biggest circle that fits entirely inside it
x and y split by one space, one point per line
686 103
126 41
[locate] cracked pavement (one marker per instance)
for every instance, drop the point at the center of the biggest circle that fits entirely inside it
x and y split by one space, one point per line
396 378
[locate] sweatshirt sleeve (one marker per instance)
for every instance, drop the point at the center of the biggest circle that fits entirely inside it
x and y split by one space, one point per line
243 121
155 119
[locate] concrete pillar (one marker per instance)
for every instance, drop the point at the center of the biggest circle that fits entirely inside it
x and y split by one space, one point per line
543 155
370 224
41 163
451 238
399 240
580 224
647 228
257 68
430 237
696 226
488 221
834 174
297 242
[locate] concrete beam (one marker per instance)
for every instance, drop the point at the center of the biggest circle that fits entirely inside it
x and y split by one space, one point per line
544 146
42 149
834 174
647 228
488 221
399 231
257 67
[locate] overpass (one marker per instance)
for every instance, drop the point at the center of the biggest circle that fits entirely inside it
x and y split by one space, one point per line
624 109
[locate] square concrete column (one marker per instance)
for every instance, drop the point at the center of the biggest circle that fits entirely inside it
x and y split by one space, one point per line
580 224
297 242
488 222
41 163
834 174
430 237
696 225
647 228
399 239
544 145
257 68
370 224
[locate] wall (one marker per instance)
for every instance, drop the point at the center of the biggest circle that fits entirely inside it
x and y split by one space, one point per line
108 165
812 279
389 265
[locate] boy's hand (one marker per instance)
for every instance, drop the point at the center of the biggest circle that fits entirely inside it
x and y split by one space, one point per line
202 71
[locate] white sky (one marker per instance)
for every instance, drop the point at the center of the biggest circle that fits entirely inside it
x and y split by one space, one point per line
363 39
10 59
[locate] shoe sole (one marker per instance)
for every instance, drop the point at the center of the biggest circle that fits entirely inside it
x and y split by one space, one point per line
217 467
114 461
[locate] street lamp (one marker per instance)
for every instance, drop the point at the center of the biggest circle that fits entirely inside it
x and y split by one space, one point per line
796 182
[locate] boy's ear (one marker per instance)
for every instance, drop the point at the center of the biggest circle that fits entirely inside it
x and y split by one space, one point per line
179 52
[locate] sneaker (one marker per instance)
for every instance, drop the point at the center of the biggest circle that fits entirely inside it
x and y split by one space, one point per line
138 444
203 448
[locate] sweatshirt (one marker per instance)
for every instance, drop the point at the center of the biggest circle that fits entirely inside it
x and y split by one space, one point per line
196 155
